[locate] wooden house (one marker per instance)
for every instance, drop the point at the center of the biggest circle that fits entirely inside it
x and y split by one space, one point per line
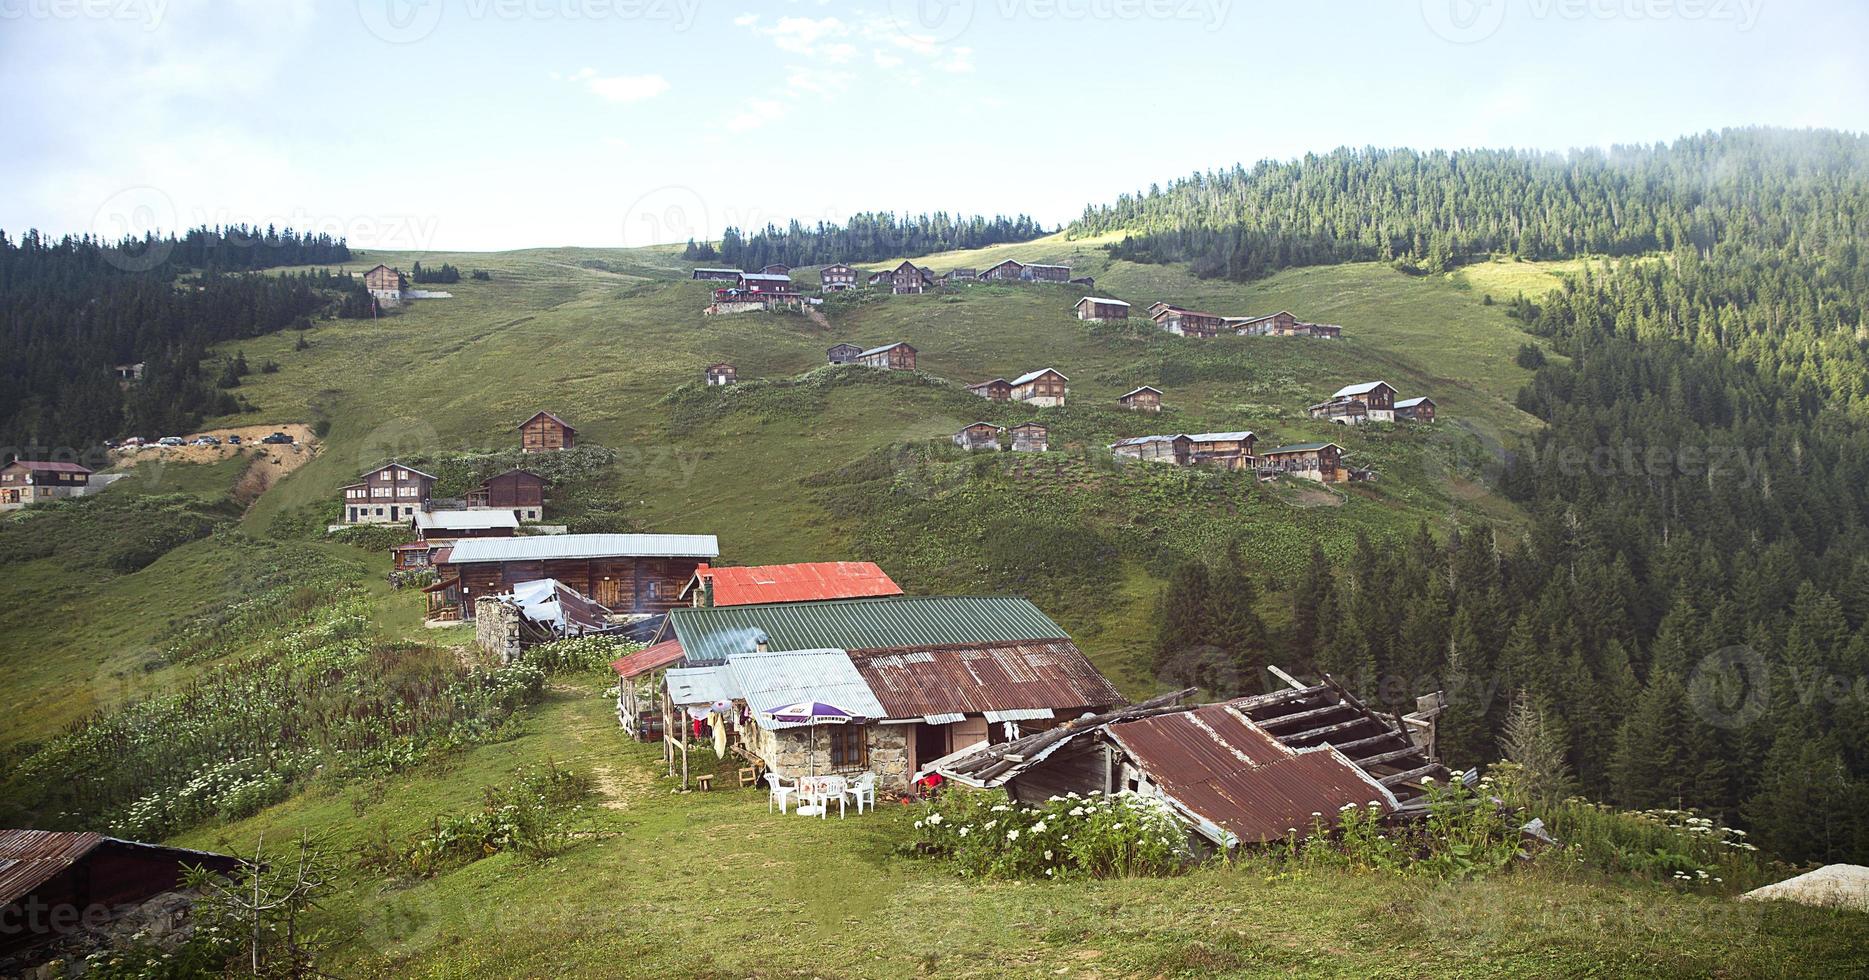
433 526
1100 309
1157 307
1088 282
996 390
843 354
1225 450
728 275
1030 437
1281 324
1415 409
720 374
1039 272
28 481
909 278
387 285
1044 388
1010 270
1188 323
390 494
764 284
128 374
960 276
1320 461
890 357
1143 399
978 435
1348 411
546 433
837 278
631 574
520 491
1172 450
777 269
1377 396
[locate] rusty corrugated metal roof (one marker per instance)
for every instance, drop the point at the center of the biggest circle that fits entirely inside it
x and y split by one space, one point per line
647 659
1232 778
975 678
799 582
30 858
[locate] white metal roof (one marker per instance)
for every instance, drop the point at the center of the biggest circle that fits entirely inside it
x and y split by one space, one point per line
779 677
1034 375
1361 389
559 546
878 350
1102 299
1219 436
465 520
1138 391
766 276
1412 402
700 685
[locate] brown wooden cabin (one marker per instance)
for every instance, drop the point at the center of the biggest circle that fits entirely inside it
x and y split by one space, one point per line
837 278
1377 396
546 433
1415 409
1188 323
996 390
384 279
1030 437
1321 461
962 275
625 573
720 374
413 556
1280 324
909 278
389 494
1172 450
27 481
728 275
433 526
1226 450
1039 272
843 354
1349 411
1010 270
1044 388
1143 399
777 269
1088 282
767 284
978 435
892 357
520 491
1157 307
1098 308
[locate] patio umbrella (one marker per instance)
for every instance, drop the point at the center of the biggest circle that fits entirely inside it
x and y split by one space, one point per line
810 714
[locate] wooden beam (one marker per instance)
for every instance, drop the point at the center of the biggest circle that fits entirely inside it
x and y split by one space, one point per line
1377 760
1363 743
1274 699
1409 776
1310 714
1327 729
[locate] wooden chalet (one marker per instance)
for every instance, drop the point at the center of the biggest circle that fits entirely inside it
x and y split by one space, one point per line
726 275
1251 771
777 269
128 374
1100 309
546 433
978 435
1143 399
1044 387
1377 396
720 374
996 390
1157 307
1010 270
837 278
1170 449
960 276
1415 409
1030 437
1088 282
811 581
909 278
1349 411
390 494
764 284
1188 323
386 285
890 357
843 354
1281 324
520 491
432 526
1225 450
1320 461
631 574
29 481
1040 272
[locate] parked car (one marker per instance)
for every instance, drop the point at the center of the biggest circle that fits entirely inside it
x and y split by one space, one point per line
171 441
277 439
233 440
206 441
134 441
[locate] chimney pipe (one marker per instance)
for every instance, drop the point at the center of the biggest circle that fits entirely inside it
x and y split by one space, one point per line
759 643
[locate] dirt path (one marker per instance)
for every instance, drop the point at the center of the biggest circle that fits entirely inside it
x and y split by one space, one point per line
618 784
817 316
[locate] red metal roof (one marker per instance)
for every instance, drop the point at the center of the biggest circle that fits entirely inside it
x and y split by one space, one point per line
1222 770
912 682
802 582
648 658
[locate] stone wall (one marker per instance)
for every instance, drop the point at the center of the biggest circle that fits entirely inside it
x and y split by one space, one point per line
795 752
496 628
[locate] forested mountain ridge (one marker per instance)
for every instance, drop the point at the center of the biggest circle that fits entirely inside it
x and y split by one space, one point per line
866 237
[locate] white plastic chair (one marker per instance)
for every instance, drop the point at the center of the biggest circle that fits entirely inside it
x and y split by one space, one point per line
862 790
777 790
819 791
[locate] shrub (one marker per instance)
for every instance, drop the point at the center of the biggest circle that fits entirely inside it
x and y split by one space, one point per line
579 654
984 835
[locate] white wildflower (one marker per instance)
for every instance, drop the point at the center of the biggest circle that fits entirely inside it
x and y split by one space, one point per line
935 818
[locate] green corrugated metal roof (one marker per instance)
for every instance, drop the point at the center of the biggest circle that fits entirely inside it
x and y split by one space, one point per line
709 635
1303 447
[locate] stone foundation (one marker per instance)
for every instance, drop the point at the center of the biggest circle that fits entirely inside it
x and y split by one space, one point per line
496 628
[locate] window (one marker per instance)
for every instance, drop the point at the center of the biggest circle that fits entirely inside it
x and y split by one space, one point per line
849 747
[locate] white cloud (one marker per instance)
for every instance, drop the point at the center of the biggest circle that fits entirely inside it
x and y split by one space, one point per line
817 81
755 113
800 35
622 88
746 20
886 60
958 60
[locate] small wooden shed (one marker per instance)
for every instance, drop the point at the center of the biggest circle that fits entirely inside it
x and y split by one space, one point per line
1030 437
545 432
978 435
996 390
890 357
843 354
720 374
1143 399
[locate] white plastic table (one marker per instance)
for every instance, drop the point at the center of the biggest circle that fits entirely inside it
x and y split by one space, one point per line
815 794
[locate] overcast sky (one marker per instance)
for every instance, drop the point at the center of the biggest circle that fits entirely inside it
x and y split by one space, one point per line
492 124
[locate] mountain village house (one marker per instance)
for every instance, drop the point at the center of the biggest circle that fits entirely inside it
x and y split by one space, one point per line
1187 323
1044 388
978 435
388 286
1320 461
720 374
1377 397
1030 437
1415 409
435 526
843 354
961 276
1172 450
26 481
1225 450
777 269
1100 310
728 275
996 390
545 433
890 357
909 278
1039 272
1008 271
766 284
1281 324
390 494
1143 399
837 278
629 574
519 491
800 582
